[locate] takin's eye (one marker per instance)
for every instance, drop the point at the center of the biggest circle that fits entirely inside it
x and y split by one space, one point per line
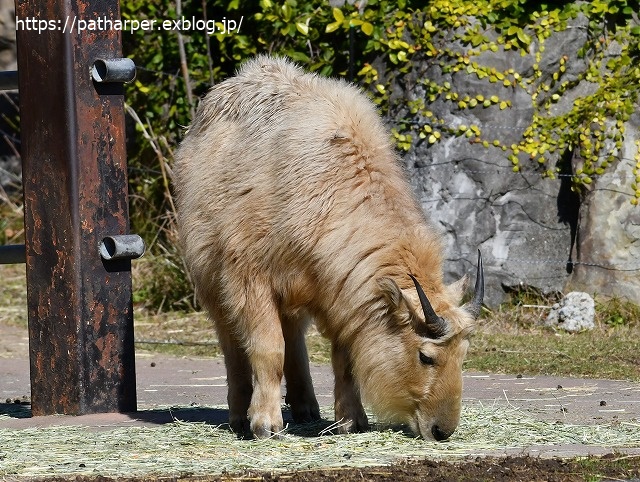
426 359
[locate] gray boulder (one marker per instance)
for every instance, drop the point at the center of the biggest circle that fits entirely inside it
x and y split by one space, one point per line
575 312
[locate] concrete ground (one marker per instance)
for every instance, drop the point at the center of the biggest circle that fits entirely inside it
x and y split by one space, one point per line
164 381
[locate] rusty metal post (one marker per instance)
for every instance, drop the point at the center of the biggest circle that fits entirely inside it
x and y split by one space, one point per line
75 195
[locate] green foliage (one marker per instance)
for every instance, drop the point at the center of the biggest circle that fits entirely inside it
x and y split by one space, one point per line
616 312
378 46
593 128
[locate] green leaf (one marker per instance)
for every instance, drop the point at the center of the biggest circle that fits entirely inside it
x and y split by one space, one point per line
303 28
523 37
299 57
287 11
142 88
337 14
367 28
332 27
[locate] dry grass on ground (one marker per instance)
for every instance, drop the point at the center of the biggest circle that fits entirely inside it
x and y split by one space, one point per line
200 449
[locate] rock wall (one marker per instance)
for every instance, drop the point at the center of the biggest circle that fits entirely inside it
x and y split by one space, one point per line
532 231
608 236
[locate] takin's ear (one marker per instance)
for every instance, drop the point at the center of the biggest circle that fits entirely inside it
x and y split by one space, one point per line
457 289
391 292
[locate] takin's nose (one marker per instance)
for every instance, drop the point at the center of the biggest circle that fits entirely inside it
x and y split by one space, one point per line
440 434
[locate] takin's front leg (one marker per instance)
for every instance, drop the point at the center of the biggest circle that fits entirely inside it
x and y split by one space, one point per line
238 379
265 349
348 406
300 395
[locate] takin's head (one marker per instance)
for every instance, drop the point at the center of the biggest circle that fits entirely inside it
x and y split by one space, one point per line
414 376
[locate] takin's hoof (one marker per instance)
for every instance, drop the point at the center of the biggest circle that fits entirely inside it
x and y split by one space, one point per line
264 427
351 418
305 413
240 426
349 426
304 407
266 432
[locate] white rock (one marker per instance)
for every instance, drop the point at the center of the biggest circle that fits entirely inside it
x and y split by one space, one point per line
576 312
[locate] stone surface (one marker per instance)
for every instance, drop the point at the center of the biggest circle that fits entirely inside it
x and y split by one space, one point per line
574 313
608 258
532 231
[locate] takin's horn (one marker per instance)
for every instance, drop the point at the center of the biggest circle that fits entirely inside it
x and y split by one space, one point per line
436 327
474 306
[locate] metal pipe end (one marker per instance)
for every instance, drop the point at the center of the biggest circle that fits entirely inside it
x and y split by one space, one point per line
123 246
113 70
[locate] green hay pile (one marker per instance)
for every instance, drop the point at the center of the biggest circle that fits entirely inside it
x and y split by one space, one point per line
181 449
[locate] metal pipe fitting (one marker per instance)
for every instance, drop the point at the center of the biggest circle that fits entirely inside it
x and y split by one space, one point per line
122 246
113 70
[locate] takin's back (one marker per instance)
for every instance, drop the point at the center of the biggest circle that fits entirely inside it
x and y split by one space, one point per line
285 170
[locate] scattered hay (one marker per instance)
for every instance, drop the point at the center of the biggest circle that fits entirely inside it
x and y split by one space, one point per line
182 449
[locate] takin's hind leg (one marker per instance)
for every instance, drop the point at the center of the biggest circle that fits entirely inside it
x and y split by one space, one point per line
300 396
349 411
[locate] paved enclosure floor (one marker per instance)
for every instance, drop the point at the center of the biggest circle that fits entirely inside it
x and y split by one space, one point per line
164 381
